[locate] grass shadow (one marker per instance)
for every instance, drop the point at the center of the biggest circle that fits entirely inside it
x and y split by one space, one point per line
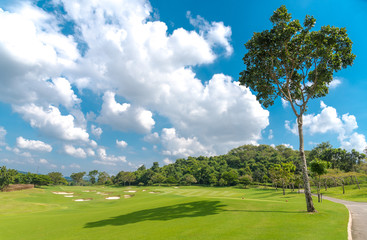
190 209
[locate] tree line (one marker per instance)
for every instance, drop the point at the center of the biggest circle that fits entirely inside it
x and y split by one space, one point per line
263 164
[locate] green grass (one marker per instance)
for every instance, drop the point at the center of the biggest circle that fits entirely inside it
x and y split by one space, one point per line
173 213
352 193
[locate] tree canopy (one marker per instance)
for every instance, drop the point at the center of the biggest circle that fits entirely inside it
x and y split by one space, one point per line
296 64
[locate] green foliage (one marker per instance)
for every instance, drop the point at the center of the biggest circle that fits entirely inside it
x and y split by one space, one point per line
5 178
92 176
318 167
77 177
292 62
57 178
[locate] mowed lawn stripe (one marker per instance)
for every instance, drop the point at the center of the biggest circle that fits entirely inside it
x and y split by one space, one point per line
265 214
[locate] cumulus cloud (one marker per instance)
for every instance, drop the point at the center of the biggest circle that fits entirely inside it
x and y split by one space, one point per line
126 55
105 159
329 121
181 147
271 136
167 161
33 145
125 117
74 166
52 123
34 54
2 136
75 152
96 131
121 144
335 83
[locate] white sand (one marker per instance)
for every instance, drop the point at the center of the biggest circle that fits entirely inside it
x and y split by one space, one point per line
175 187
127 196
144 190
82 199
130 191
113 198
68 193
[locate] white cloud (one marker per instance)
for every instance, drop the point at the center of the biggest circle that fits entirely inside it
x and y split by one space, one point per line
285 103
167 161
328 121
47 163
2 136
33 145
52 123
287 145
125 117
355 141
74 165
121 144
43 161
152 137
90 152
215 33
105 159
335 83
34 55
133 57
181 147
271 136
75 152
96 131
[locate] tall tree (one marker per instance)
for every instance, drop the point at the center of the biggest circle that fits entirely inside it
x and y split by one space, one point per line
92 176
5 178
292 62
57 178
77 177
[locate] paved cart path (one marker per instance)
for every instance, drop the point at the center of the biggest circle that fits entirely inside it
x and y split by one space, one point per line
358 212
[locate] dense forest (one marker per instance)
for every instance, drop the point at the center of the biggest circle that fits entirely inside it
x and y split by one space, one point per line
248 164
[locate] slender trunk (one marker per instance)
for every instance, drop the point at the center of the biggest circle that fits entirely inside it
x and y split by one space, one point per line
325 183
308 196
299 187
318 188
351 180
283 187
357 182
343 185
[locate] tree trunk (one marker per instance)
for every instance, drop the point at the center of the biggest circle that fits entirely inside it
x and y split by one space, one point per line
325 183
335 184
318 189
299 187
283 187
308 196
357 182
343 185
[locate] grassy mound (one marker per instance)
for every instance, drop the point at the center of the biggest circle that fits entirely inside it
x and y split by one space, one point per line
169 213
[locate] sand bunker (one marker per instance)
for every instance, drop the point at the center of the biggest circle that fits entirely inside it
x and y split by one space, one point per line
113 198
103 193
68 195
154 192
175 187
144 190
83 199
63 193
130 191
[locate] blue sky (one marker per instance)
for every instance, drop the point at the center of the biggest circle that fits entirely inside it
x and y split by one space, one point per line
114 84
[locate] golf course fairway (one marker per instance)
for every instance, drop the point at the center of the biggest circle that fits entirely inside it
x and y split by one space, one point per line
166 213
